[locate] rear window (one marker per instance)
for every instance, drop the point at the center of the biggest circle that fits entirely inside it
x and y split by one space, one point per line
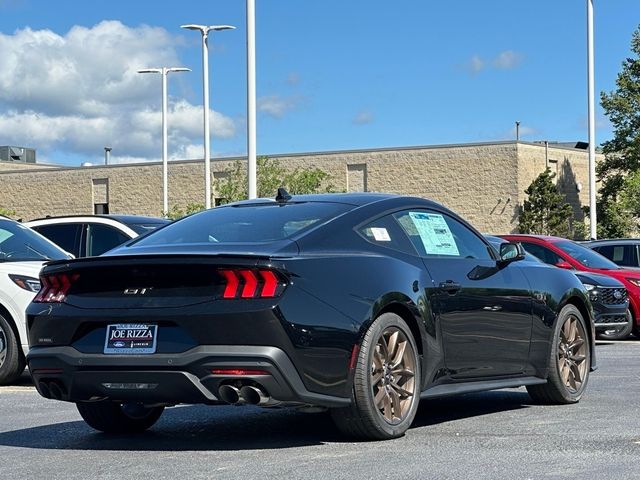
586 256
142 228
248 223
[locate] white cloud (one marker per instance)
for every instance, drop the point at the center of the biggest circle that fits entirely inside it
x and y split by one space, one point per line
507 60
363 117
80 91
476 64
277 105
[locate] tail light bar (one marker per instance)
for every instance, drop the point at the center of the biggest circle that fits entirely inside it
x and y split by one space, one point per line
55 287
251 283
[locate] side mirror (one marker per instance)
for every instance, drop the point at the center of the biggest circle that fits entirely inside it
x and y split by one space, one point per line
565 265
511 252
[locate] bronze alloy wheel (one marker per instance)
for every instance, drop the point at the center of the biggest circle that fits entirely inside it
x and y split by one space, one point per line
572 353
393 375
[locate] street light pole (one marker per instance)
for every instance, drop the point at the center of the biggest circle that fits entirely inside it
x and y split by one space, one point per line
164 71
251 99
593 221
204 30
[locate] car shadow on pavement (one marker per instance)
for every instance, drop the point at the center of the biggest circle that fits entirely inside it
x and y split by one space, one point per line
448 409
227 428
193 427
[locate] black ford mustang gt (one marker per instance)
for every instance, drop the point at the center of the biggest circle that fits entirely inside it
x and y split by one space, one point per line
361 303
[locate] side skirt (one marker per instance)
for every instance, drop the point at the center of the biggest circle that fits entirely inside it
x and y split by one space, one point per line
479 386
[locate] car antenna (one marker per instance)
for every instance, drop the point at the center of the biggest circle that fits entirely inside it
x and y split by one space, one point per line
282 196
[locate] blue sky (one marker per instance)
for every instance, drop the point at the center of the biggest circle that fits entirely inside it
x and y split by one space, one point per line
331 74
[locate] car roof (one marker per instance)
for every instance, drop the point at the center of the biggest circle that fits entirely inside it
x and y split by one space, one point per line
126 219
613 241
547 238
352 198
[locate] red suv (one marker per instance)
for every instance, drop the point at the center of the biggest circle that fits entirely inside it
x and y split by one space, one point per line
564 253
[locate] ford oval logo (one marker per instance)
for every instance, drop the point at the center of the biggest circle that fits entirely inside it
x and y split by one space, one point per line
119 344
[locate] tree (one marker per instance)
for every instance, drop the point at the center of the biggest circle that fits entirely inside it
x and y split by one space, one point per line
545 212
270 175
175 212
6 212
622 152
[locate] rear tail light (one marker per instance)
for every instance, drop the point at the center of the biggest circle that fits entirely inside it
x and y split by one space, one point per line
251 283
55 287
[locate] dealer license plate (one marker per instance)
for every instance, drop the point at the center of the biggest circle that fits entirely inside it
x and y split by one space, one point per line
130 339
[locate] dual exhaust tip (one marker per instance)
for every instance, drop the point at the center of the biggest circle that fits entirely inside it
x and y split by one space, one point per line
52 389
248 394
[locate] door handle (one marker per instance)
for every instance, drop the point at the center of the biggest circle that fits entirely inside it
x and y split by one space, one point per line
450 286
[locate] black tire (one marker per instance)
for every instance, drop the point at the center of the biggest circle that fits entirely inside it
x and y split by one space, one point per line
111 417
380 373
618 333
11 358
569 361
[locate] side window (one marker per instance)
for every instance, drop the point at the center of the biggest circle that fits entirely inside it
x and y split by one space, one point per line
436 234
63 235
101 238
543 253
385 232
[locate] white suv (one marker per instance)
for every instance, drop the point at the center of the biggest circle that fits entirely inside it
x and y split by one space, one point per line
92 235
22 254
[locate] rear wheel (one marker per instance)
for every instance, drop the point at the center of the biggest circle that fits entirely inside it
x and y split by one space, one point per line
618 333
11 359
386 384
569 363
111 417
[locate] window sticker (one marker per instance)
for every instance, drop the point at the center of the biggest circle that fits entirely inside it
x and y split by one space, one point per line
380 234
435 234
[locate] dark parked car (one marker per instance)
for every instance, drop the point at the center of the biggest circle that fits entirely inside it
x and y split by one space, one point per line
570 255
360 303
608 296
621 251
93 235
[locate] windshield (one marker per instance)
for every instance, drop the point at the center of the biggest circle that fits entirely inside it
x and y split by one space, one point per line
586 256
245 223
21 244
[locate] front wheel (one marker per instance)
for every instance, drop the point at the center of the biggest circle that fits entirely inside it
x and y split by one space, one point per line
111 417
386 384
11 358
569 362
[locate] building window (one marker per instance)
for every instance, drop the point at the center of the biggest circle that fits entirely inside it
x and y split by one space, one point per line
357 177
100 208
100 195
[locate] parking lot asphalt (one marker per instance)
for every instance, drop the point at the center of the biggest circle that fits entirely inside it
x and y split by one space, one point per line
492 435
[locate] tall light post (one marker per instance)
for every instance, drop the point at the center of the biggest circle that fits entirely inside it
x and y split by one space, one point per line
593 221
251 99
204 30
165 138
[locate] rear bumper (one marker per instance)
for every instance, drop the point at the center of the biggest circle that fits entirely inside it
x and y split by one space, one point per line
168 378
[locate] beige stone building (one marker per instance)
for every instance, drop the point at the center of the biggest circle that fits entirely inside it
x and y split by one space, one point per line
483 182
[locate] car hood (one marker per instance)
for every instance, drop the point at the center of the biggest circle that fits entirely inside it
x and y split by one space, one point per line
598 279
